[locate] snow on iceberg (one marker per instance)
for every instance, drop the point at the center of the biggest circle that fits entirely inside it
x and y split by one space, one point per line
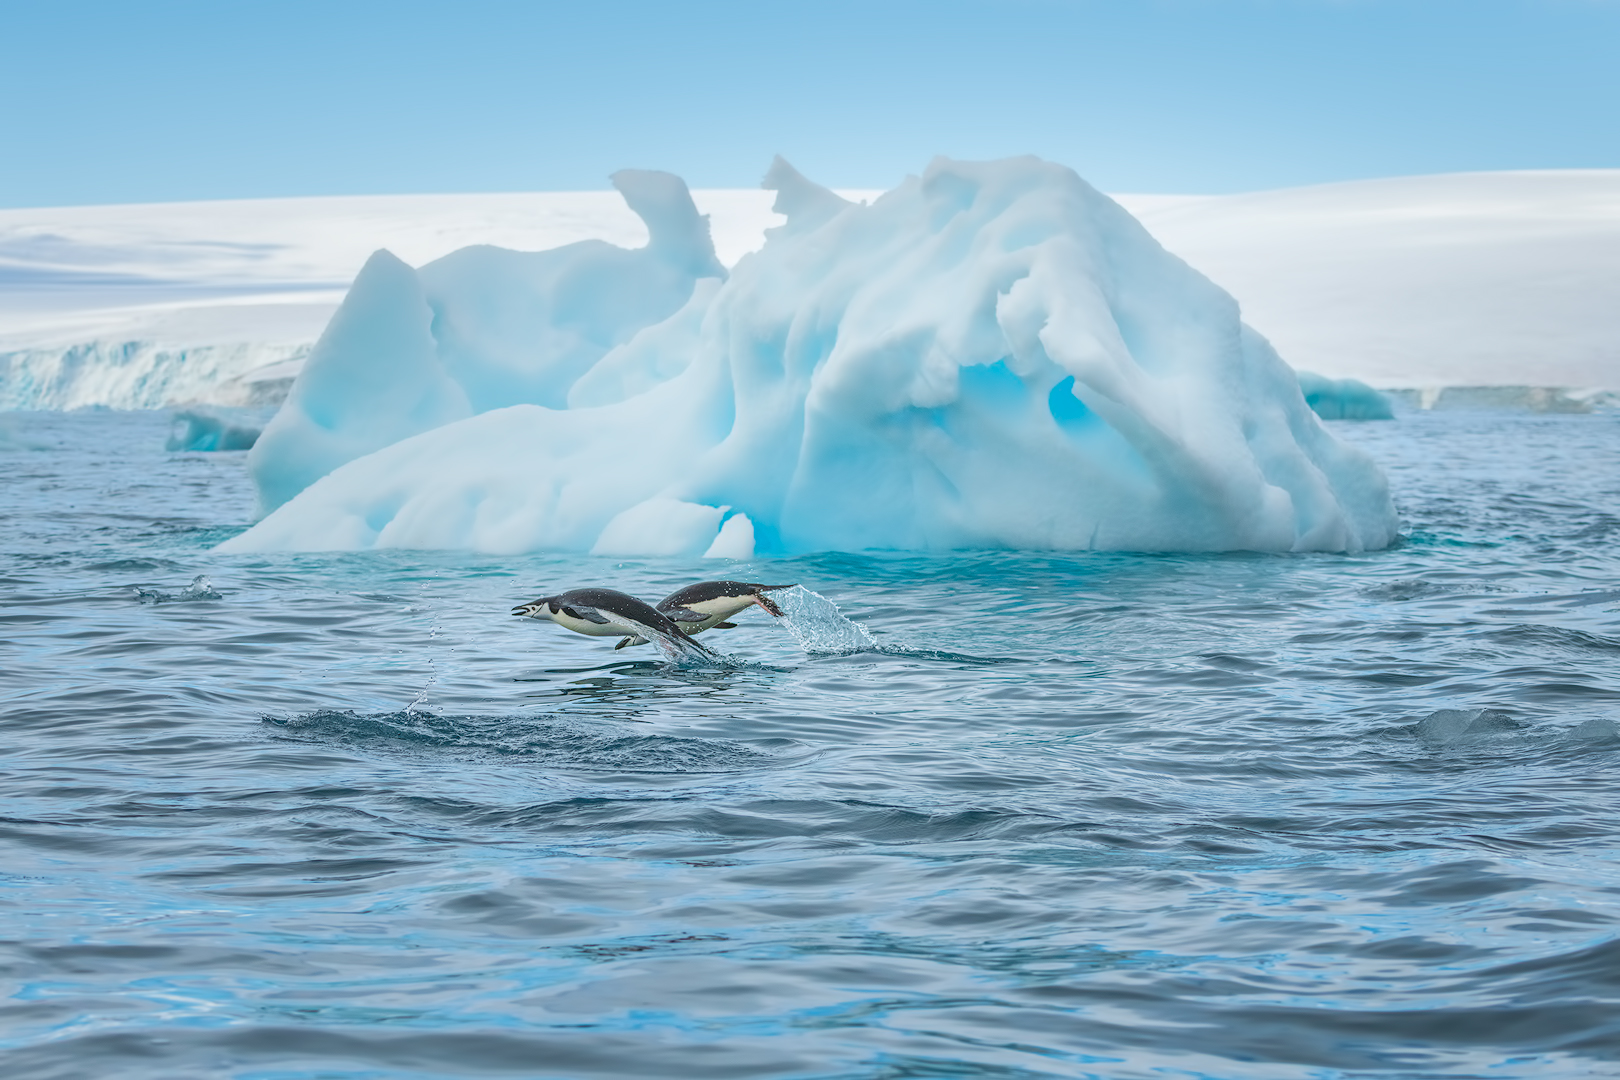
990 355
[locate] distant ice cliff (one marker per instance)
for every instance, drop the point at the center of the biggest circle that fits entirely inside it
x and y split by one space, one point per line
145 375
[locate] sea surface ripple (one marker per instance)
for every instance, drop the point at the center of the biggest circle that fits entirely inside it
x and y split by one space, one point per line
1049 815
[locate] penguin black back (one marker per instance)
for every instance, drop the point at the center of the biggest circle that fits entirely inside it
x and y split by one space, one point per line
704 591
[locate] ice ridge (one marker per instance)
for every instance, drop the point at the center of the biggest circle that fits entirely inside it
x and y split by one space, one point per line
477 330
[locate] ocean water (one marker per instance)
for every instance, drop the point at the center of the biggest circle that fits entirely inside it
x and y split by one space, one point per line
1008 815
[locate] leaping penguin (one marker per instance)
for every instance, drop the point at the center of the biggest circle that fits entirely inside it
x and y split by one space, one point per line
607 613
708 604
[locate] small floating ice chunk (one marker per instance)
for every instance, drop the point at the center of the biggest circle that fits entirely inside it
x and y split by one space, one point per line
1343 399
207 429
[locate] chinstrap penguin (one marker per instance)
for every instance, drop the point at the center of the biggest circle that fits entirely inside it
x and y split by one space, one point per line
708 604
609 613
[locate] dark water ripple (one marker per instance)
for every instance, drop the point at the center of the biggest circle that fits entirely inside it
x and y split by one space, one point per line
1107 815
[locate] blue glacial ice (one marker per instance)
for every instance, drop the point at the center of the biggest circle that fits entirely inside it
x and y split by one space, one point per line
209 428
990 355
1343 399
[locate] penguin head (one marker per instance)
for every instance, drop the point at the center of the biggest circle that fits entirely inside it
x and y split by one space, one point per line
543 608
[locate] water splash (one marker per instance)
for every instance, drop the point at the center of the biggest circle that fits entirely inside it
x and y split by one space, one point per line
433 672
688 655
818 626
822 630
199 589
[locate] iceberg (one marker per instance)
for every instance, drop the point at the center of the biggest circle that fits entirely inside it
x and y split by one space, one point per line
205 429
1343 399
993 354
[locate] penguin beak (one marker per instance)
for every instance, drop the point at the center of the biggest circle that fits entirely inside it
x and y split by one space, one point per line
766 602
533 609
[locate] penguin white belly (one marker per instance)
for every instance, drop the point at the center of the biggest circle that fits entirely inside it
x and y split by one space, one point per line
611 628
714 611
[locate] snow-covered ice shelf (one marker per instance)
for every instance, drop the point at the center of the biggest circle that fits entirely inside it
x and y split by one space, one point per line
1468 280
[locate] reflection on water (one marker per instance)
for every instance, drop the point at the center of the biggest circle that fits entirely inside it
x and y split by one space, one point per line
985 814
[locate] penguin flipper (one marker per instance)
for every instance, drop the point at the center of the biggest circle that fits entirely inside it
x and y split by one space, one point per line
684 615
724 626
586 614
626 642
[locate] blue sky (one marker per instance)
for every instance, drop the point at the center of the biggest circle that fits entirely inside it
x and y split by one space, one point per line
155 100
